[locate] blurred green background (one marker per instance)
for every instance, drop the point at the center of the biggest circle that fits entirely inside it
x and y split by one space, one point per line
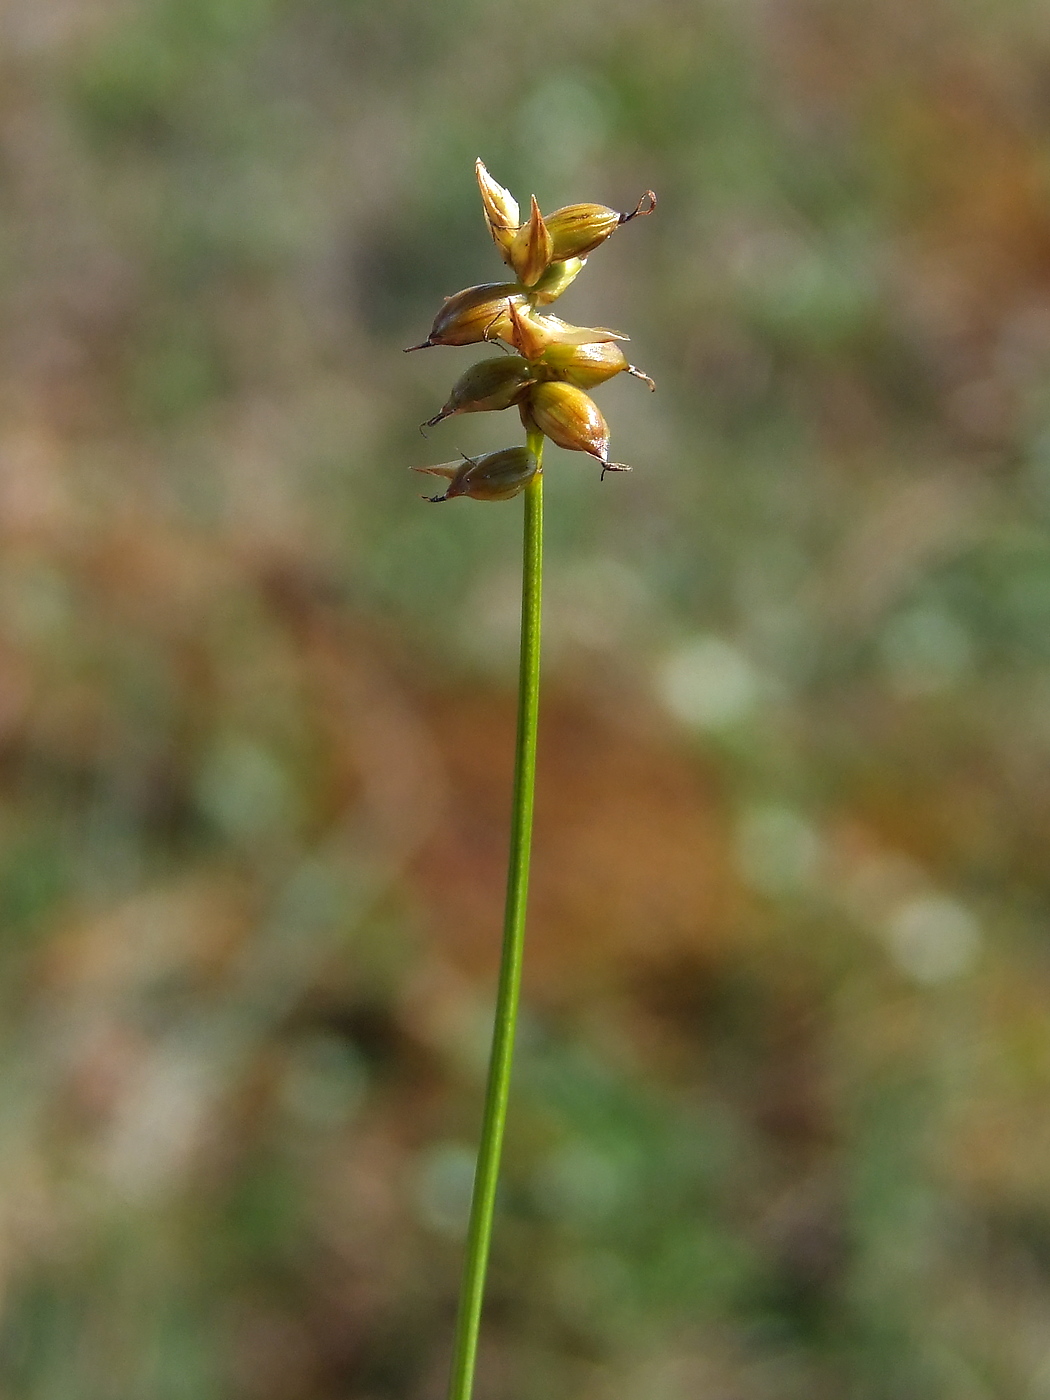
781 1127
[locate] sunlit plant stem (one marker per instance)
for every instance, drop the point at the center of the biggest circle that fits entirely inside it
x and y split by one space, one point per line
497 1092
545 379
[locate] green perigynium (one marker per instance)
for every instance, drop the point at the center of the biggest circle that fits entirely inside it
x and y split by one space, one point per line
554 363
495 476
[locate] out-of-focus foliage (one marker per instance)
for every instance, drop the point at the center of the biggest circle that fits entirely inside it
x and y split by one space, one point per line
780 1116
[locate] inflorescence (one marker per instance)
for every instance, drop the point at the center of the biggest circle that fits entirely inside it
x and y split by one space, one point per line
552 363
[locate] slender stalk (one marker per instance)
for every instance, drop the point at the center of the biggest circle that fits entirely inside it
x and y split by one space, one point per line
497 1091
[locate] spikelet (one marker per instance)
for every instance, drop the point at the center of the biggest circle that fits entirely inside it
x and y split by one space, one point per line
553 363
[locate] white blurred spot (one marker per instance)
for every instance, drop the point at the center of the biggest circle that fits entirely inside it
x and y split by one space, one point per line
244 789
444 1184
778 851
933 939
593 604
926 650
578 1184
158 1126
708 683
566 123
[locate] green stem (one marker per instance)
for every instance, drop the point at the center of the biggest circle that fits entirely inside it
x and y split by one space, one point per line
497 1091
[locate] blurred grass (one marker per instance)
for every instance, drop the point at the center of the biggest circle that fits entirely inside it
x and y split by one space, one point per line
778 1122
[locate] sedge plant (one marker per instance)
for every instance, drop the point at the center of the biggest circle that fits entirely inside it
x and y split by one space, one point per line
546 374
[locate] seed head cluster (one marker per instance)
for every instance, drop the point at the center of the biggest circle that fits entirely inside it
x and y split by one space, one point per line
550 364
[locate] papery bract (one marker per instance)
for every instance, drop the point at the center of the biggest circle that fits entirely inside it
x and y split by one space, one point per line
501 210
530 251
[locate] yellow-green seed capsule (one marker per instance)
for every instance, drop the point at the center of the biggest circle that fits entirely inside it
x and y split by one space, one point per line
578 229
490 384
554 281
533 333
588 365
495 476
501 210
530 251
568 417
475 314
